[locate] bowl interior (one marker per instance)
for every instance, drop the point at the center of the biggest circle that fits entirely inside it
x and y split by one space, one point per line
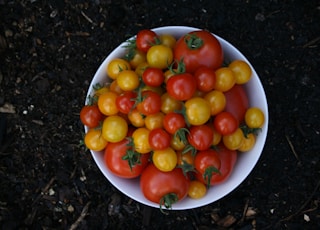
246 161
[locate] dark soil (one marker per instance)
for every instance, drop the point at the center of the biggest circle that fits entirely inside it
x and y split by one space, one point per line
50 50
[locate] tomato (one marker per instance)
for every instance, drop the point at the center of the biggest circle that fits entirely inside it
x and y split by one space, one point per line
234 140
199 48
141 68
181 86
151 103
114 128
207 163
145 39
254 117
197 111
247 143
153 76
216 136
136 118
160 56
164 188
169 104
141 140
128 80
217 101
165 159
116 66
185 161
114 87
225 123
94 141
168 40
225 79
241 71
176 143
91 116
228 159
159 139
99 90
125 101
154 121
237 102
205 78
115 159
197 189
137 57
107 103
200 137
173 122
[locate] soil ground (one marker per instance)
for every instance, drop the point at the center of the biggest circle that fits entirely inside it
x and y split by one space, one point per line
50 50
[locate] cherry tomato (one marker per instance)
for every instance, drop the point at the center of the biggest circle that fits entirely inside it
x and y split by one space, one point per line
207 163
154 121
159 139
200 137
141 68
217 101
141 140
216 136
237 102
241 71
168 40
173 121
164 188
159 56
151 103
197 111
145 39
247 143
206 78
254 117
115 159
185 161
165 160
114 128
225 123
107 103
197 189
176 143
153 76
181 86
169 104
225 79
234 140
91 116
136 118
137 58
199 48
128 80
116 66
94 141
125 101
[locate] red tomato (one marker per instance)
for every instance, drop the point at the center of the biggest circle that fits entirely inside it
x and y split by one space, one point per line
173 121
199 48
237 102
91 116
125 101
225 123
153 76
164 188
159 139
206 78
145 39
207 163
228 159
181 86
113 157
200 137
151 103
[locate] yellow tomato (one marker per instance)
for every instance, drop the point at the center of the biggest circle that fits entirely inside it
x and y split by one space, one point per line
254 117
247 143
154 121
197 110
107 103
217 101
234 140
159 56
114 128
197 189
241 70
128 80
94 140
165 160
225 79
141 140
116 66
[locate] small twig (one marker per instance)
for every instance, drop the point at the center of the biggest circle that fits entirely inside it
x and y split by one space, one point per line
44 190
312 42
83 214
245 209
87 18
292 148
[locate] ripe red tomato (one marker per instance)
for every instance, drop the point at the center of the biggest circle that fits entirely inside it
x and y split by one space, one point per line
91 116
199 48
151 103
164 188
125 101
114 159
200 137
206 78
153 76
181 86
225 123
173 121
208 164
145 39
237 102
159 139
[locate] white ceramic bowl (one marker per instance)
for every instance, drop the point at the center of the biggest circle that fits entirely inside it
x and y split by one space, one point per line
246 161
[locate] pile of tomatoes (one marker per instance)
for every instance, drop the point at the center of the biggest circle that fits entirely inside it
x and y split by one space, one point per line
172 114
